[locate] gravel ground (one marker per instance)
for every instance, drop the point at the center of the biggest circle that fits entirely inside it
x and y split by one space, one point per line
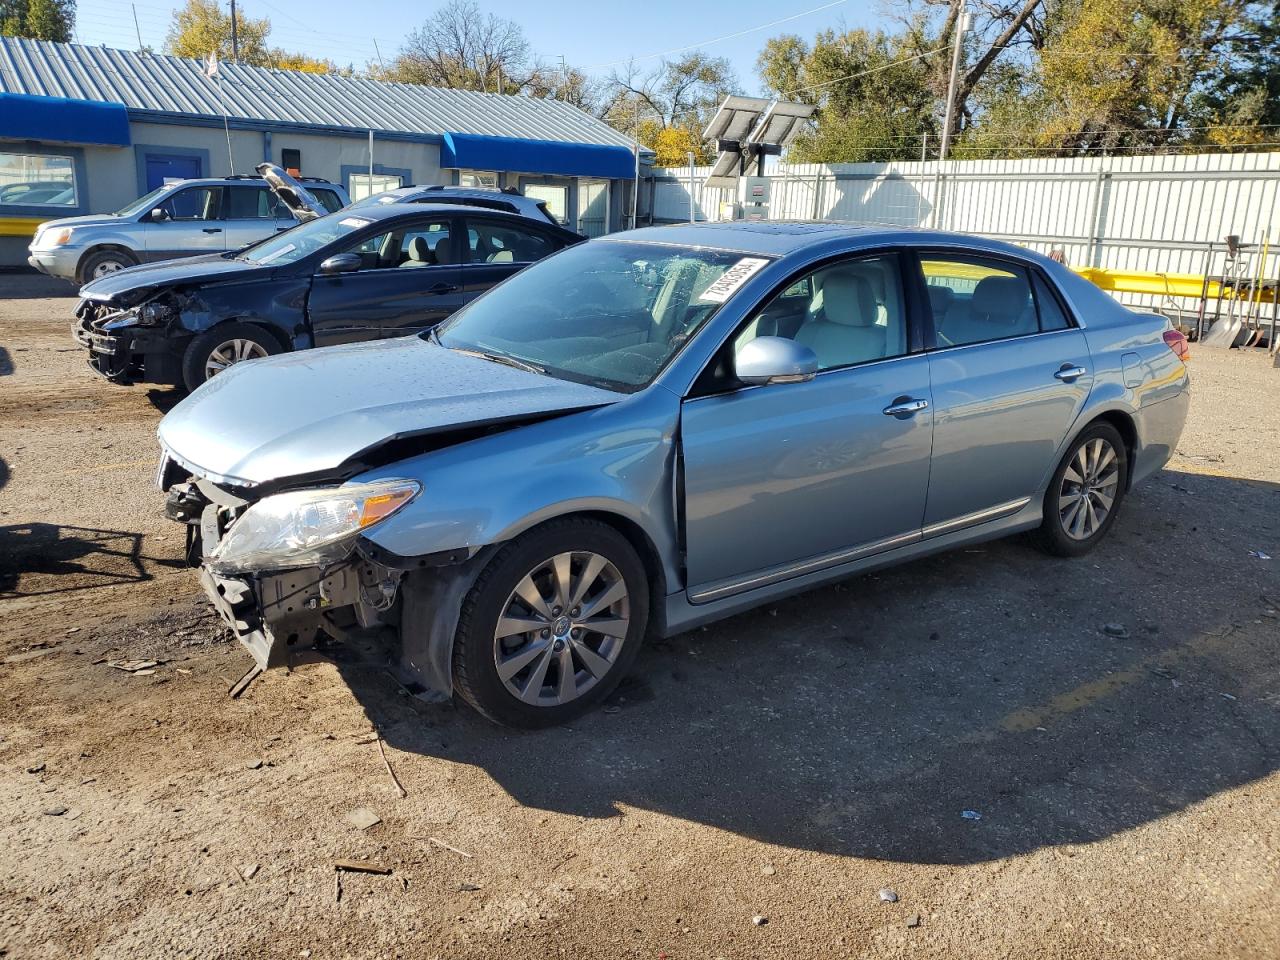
787 764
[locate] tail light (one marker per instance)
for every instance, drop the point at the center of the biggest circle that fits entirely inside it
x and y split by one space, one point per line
1178 343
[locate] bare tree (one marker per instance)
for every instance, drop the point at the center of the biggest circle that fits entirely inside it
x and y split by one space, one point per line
684 92
460 48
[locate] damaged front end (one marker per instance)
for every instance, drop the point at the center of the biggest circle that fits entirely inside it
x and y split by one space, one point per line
131 343
285 568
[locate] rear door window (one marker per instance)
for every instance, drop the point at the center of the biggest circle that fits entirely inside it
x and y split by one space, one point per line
976 299
326 197
252 203
501 242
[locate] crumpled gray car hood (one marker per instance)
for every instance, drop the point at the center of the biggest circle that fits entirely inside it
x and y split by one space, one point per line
309 412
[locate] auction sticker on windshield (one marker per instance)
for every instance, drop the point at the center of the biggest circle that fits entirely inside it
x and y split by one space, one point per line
733 278
354 222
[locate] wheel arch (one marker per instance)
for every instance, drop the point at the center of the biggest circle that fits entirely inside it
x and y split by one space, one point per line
275 333
103 247
1128 430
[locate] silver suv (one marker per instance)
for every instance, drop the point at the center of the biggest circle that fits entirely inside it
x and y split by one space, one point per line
509 200
179 219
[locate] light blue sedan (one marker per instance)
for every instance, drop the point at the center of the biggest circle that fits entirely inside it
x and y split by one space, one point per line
658 429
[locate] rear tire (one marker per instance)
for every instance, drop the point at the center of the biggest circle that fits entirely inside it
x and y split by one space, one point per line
103 263
1084 496
224 345
577 574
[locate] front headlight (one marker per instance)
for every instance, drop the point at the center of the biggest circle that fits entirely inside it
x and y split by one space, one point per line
308 528
57 238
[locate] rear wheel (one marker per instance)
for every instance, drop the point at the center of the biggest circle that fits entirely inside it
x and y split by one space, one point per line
552 624
1085 493
224 346
104 262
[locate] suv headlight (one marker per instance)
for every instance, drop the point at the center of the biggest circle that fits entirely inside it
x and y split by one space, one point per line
55 238
308 528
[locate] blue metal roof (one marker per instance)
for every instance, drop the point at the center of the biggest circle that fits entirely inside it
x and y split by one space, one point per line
60 120
158 87
469 151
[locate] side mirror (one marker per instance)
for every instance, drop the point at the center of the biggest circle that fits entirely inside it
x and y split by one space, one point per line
775 360
158 215
341 263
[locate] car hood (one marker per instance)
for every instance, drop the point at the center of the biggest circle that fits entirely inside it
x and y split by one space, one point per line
88 220
167 273
308 413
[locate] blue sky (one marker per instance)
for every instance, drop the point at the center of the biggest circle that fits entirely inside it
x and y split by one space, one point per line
588 34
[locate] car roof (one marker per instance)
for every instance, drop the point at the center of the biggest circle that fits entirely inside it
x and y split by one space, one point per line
383 211
778 238
308 182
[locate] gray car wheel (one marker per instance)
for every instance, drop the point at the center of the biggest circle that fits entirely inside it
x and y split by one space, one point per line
552 624
224 346
104 263
1085 493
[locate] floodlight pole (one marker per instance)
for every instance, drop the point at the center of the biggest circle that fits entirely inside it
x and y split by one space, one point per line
693 217
962 23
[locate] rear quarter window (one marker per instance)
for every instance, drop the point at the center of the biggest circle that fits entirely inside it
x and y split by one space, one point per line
327 198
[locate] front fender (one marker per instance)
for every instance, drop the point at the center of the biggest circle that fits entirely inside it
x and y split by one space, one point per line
618 460
277 304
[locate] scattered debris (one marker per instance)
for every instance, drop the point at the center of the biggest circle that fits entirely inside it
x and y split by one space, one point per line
367 737
1118 630
444 846
38 768
913 921
134 666
767 870
362 818
391 773
254 764
467 888
361 866
55 811
1227 696
71 630
759 920
241 685
185 673
971 814
1259 555
249 871
337 886
562 861
612 709
30 655
889 896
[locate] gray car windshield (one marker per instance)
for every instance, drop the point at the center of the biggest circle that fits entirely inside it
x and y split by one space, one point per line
609 313
303 240
145 202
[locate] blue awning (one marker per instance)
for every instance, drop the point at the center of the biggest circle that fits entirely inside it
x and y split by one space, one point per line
59 120
471 151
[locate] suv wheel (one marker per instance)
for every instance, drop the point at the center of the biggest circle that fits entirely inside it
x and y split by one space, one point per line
552 624
215 350
98 265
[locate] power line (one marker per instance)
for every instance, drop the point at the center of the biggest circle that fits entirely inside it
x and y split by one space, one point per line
864 73
727 36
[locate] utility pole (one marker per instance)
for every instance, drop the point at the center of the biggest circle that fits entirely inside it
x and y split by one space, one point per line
235 37
564 79
137 29
962 24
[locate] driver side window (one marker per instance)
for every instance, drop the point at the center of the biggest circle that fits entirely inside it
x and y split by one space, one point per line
414 245
195 203
847 313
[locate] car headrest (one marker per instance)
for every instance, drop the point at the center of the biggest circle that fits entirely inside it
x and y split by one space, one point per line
1000 299
418 250
940 299
444 250
847 300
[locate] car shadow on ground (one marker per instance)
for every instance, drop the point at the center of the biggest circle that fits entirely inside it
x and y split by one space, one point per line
165 399
968 707
47 558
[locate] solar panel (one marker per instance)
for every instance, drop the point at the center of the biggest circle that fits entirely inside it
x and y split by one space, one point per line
725 171
735 118
783 122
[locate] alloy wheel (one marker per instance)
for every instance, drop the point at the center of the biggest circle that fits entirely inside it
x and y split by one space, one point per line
1088 490
229 352
562 628
105 267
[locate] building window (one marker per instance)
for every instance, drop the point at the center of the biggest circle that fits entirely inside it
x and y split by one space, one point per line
291 160
363 185
36 180
477 178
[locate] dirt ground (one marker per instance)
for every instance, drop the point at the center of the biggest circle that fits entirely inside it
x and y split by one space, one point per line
788 764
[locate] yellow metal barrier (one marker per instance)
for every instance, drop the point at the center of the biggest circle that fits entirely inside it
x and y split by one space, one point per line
1164 284
20 226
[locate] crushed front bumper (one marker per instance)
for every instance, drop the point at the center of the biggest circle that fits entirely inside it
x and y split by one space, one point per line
124 351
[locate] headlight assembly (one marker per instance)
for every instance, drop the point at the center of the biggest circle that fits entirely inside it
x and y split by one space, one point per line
57 238
154 313
306 528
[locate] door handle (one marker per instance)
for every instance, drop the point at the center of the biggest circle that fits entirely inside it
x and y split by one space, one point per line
904 407
212 230
1070 373
443 288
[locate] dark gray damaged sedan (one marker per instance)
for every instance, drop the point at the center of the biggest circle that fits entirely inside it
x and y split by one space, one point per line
657 429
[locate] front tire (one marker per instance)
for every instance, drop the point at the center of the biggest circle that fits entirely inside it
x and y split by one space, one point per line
1085 493
226 344
103 263
552 624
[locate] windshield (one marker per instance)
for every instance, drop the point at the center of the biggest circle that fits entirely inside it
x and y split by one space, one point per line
144 202
609 313
303 240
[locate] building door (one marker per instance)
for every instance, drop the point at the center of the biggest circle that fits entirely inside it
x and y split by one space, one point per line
593 207
164 167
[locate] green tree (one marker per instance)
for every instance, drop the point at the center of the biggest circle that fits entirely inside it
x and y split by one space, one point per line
203 27
38 19
681 94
